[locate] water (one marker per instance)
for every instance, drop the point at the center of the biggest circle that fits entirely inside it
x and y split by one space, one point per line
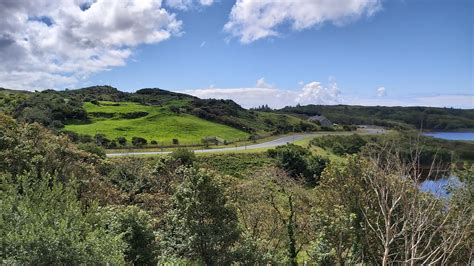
452 135
440 187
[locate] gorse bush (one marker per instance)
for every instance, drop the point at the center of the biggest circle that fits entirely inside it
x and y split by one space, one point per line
184 156
200 225
43 223
138 141
298 162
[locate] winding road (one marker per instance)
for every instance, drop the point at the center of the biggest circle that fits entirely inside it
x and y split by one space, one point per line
268 144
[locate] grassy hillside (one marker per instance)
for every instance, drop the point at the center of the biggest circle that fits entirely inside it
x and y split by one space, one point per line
159 123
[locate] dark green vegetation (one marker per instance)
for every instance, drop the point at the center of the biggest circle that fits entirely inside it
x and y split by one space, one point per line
61 204
111 118
443 151
397 117
162 117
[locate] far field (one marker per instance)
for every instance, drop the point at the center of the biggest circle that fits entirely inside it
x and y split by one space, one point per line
158 123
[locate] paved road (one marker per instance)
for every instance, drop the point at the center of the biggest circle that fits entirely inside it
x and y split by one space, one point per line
269 144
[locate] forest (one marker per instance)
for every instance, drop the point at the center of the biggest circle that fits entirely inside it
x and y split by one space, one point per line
335 200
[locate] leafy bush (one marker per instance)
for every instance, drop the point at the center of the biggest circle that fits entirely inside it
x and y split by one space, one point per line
43 223
92 148
341 145
184 156
122 141
101 140
200 225
138 141
298 162
134 225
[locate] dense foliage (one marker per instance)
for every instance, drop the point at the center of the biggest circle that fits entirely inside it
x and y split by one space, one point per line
299 163
61 204
398 117
341 145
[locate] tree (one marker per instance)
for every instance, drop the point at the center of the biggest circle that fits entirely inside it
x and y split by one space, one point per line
134 225
43 223
413 226
122 141
393 221
299 162
184 156
275 214
138 141
201 225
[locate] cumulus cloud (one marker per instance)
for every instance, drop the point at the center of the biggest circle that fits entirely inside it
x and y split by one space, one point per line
251 20
318 93
261 83
381 92
264 93
50 44
315 93
187 4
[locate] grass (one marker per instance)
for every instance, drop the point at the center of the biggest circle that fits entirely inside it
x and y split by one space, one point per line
160 124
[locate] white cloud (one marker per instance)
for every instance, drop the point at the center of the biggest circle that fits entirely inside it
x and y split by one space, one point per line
264 93
51 44
187 4
261 83
381 92
251 20
317 93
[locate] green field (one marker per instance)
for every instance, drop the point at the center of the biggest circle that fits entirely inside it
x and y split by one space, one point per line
160 124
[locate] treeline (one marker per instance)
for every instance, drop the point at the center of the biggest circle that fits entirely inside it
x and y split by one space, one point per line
394 117
431 149
62 205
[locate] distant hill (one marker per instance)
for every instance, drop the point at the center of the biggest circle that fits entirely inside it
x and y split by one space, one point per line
151 111
69 109
431 118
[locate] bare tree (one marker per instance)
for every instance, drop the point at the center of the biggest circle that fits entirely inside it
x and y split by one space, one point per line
413 227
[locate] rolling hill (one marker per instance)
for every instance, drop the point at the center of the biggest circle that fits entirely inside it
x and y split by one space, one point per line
161 115
158 123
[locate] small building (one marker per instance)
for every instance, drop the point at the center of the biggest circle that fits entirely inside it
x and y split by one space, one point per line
322 120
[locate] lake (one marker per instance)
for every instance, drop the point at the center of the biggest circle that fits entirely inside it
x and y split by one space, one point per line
451 135
440 187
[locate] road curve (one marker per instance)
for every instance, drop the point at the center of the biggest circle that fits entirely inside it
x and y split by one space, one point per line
268 144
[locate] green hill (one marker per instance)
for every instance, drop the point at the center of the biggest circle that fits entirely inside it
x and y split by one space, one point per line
159 123
160 115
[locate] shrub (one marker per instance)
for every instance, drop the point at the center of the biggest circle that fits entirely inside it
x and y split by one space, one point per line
101 140
201 226
184 156
112 145
138 141
122 141
175 142
43 223
154 142
92 148
135 227
298 162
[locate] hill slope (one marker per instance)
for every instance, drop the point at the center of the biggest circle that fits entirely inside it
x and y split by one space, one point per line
129 119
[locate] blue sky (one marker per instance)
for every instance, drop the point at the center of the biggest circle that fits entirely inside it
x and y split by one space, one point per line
392 52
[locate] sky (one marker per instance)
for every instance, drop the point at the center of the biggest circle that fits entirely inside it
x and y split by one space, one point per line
280 52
